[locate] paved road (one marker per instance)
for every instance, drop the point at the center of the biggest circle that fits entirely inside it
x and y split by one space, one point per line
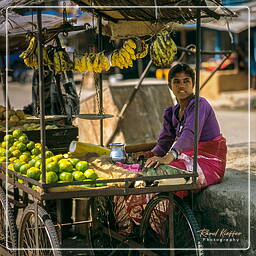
234 124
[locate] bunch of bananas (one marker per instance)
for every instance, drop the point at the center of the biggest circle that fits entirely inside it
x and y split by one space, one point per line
31 46
123 58
30 55
61 61
163 49
96 62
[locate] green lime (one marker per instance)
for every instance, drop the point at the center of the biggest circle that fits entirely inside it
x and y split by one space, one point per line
17 133
74 161
90 174
24 158
21 181
31 145
38 145
82 166
38 163
16 153
48 154
66 155
52 167
51 177
3 159
21 147
10 167
9 138
78 176
24 139
34 173
4 144
12 148
24 168
32 162
66 176
17 165
35 151
65 166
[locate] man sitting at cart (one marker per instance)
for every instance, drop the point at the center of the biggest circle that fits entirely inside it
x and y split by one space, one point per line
175 145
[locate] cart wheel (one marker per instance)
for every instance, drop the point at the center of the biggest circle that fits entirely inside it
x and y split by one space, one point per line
103 221
7 221
48 242
155 227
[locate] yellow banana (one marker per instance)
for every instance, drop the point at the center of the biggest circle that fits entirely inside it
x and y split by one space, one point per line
104 62
131 43
30 49
122 59
84 67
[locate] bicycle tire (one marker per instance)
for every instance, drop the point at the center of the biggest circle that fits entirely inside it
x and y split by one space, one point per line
48 237
11 225
154 231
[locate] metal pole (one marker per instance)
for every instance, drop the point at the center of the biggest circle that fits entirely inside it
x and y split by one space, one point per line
198 61
100 81
3 78
41 90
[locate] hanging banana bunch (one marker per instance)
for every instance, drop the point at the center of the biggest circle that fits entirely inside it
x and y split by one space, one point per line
61 61
142 51
31 46
94 62
163 49
123 58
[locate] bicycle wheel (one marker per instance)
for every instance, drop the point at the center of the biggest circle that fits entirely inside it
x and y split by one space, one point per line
48 242
155 229
103 222
7 223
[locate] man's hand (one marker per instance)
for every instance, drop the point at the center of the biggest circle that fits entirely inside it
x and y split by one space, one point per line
156 160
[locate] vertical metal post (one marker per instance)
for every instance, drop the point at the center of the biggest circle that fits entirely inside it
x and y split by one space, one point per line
100 80
3 78
41 90
198 60
36 228
171 225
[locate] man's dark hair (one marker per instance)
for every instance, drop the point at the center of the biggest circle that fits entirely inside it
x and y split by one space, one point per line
182 68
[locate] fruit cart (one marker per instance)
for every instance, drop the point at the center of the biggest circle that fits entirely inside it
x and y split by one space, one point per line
40 226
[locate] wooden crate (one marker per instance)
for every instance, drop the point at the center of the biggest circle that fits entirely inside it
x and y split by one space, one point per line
57 140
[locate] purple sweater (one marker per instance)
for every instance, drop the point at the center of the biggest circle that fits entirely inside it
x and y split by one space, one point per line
182 131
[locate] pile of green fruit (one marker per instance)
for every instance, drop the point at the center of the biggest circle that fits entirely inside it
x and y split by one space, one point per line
24 157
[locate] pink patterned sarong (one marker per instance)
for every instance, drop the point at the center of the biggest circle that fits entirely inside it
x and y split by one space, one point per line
211 168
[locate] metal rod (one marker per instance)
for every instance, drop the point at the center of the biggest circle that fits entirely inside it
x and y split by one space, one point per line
214 71
183 49
41 91
198 61
128 102
100 81
171 224
3 78
36 228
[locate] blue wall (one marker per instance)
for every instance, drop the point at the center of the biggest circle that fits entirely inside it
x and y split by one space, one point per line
235 2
